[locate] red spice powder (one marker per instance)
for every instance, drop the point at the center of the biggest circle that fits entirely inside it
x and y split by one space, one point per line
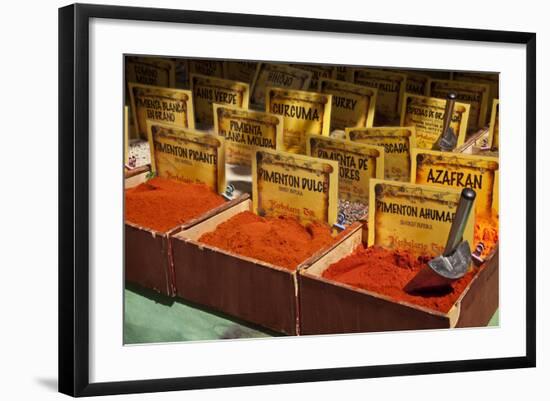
281 241
162 204
486 231
387 272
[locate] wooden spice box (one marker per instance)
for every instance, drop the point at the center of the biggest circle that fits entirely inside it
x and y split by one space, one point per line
331 307
148 254
243 287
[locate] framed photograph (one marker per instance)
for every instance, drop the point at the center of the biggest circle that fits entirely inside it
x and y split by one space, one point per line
251 199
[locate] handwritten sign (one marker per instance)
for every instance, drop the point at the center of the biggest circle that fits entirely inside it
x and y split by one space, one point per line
494 125
297 185
412 217
397 143
277 76
426 115
475 94
342 73
357 164
456 170
318 71
211 68
209 90
166 105
186 155
302 112
489 78
391 89
245 131
417 83
150 71
352 105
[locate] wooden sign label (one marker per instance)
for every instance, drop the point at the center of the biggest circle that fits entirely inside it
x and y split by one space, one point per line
277 76
211 68
357 164
426 115
342 73
416 83
244 131
352 105
412 217
494 125
475 94
209 90
318 72
150 71
165 105
391 89
489 78
302 112
296 185
456 170
397 143
186 155
242 71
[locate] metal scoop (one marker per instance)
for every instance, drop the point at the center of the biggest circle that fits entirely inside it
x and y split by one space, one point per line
457 256
447 140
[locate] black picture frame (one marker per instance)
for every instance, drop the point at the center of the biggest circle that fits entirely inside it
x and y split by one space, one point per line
74 198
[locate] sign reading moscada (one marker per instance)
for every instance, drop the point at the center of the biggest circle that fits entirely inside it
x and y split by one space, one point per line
426 115
245 131
186 155
397 143
475 94
151 71
210 90
352 105
277 76
391 89
297 185
303 113
457 170
357 164
413 217
165 105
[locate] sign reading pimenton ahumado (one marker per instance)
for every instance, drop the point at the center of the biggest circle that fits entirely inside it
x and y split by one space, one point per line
186 155
164 105
245 131
302 113
412 217
426 115
357 164
210 90
397 143
457 170
290 184
352 105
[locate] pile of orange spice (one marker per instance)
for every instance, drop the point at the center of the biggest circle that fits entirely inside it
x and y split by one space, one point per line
161 204
387 272
281 241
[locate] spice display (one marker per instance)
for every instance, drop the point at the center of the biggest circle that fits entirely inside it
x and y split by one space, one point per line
138 153
387 272
161 204
281 241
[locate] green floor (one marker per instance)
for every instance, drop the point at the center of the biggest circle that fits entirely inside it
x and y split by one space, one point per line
153 318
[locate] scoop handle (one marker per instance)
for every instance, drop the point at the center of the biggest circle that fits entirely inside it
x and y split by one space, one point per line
462 214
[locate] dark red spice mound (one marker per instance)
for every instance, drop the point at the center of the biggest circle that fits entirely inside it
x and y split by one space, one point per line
387 272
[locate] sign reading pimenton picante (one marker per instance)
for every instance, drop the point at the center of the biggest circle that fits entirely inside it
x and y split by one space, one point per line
357 164
397 143
412 217
302 112
245 131
186 155
165 105
297 185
